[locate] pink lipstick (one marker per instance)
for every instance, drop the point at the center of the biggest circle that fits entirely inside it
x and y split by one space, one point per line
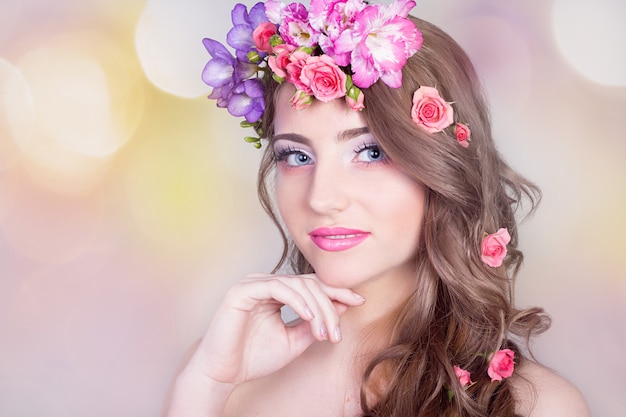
335 239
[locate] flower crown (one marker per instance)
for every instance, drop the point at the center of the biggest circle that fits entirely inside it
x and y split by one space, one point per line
334 50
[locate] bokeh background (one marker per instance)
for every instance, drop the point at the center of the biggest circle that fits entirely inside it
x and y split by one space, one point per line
128 205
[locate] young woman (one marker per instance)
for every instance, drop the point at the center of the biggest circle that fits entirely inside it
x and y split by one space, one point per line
399 219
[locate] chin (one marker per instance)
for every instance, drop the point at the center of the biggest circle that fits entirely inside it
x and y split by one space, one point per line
341 276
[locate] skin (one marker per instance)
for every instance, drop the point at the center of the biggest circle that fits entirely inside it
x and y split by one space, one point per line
333 174
250 363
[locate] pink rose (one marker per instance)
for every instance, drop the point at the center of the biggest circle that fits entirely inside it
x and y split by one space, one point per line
301 100
262 35
297 60
501 365
493 247
430 111
325 79
463 376
280 58
462 132
358 103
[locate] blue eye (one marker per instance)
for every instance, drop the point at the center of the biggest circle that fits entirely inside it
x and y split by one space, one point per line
370 153
292 157
297 159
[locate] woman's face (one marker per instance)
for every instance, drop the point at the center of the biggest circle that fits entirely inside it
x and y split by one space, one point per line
353 215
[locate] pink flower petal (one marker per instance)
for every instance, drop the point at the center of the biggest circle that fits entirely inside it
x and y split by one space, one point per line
364 74
392 79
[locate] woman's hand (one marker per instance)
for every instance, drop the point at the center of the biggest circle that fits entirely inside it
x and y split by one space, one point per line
247 338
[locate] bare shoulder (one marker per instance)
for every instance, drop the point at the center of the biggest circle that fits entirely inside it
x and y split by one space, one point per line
542 392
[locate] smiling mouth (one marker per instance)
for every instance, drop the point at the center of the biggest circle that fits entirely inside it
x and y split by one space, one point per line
333 240
340 236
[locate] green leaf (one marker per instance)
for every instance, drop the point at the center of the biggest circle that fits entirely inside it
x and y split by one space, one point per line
450 395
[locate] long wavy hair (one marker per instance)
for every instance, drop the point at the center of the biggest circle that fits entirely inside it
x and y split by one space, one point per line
462 310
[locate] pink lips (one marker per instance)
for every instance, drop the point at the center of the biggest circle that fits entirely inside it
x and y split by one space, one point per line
335 239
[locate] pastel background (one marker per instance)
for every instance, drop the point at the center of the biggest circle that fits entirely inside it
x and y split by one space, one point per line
128 205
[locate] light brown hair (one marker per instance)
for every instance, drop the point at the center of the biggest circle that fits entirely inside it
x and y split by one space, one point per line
462 309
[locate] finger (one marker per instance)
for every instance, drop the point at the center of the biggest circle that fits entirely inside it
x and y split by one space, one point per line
317 301
317 309
249 295
332 309
343 295
326 321
336 302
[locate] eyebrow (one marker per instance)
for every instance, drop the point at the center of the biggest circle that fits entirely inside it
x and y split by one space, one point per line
342 137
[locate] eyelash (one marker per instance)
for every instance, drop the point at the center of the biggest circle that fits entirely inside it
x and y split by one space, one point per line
281 154
370 146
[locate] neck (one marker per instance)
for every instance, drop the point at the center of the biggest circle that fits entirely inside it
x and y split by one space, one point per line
376 317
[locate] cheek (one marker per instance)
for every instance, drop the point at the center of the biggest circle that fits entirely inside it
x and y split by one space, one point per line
281 197
407 210
288 192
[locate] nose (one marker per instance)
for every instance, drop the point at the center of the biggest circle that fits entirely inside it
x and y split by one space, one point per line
329 188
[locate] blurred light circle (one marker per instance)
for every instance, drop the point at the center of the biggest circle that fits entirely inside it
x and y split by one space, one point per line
591 36
86 92
169 37
17 114
88 95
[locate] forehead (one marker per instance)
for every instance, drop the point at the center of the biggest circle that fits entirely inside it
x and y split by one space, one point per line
318 118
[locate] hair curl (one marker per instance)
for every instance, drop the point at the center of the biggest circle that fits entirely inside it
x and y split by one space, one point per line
462 309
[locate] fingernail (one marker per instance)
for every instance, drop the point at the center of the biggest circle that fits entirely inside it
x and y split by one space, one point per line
337 334
308 312
324 332
359 297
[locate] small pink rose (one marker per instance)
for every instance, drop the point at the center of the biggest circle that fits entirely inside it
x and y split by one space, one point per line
493 247
463 376
430 111
262 35
297 61
301 100
462 132
358 103
280 58
501 365
325 79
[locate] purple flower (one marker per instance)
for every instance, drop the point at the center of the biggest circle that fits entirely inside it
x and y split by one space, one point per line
244 23
247 100
223 72
219 70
